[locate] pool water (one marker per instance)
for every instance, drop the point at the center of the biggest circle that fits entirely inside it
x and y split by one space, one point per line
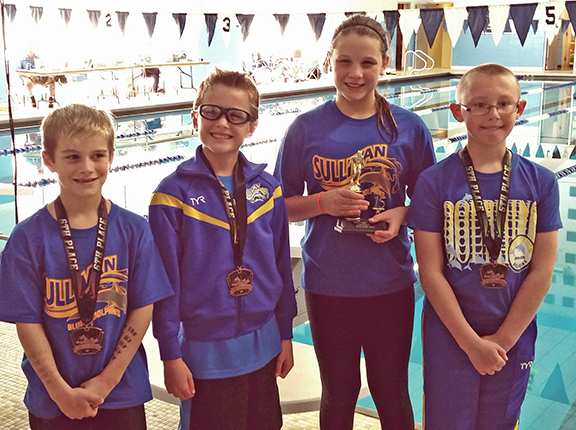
150 147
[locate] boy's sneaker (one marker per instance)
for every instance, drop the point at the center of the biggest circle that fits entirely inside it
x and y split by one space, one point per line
51 102
33 101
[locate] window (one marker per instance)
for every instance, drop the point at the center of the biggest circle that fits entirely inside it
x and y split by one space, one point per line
550 299
571 213
572 191
568 302
570 258
571 236
569 280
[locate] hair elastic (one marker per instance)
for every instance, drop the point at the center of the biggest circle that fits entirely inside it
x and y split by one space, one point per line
358 24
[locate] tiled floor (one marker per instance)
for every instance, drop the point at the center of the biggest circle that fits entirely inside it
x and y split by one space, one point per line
160 415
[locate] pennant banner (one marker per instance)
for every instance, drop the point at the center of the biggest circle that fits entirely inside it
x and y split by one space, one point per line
431 19
65 14
522 15
571 8
36 12
210 19
391 20
94 17
10 11
180 19
477 20
317 21
245 22
498 20
122 18
150 19
282 19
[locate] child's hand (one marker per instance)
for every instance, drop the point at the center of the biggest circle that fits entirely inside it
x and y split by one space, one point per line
178 379
395 217
99 386
342 202
487 356
285 360
78 403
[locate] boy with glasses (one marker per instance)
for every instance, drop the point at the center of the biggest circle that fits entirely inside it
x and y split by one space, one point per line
486 226
221 226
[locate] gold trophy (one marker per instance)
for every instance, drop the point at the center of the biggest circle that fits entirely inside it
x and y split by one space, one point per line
357 224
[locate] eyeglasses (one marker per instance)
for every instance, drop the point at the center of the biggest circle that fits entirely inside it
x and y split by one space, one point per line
484 108
234 116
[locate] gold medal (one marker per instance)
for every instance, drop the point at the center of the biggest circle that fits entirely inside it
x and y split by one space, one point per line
240 282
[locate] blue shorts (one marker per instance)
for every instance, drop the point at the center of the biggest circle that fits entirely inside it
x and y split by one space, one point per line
456 396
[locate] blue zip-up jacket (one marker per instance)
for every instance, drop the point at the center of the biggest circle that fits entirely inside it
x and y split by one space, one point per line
191 229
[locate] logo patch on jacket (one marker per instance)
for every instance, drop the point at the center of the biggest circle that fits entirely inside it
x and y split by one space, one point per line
257 193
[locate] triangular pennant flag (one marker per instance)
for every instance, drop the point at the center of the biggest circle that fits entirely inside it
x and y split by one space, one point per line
36 12
522 15
564 25
455 18
573 154
391 20
550 18
10 11
65 14
245 23
226 28
555 389
409 22
180 19
526 152
150 20
540 152
317 22
282 19
514 149
535 23
477 20
431 19
210 19
571 8
498 19
556 152
94 17
465 26
458 147
122 18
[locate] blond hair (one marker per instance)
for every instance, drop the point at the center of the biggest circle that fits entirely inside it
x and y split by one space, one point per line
76 120
488 69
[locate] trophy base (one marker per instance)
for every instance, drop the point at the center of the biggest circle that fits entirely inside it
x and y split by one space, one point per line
359 226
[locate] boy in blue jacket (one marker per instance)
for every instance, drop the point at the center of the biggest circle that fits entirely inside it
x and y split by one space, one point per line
221 226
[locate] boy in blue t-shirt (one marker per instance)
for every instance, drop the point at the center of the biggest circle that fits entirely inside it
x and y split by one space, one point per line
486 232
79 278
221 225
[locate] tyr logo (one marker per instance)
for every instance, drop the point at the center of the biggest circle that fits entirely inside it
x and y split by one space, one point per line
526 365
197 201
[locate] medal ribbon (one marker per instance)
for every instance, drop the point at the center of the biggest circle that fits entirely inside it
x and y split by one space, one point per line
84 292
235 210
492 239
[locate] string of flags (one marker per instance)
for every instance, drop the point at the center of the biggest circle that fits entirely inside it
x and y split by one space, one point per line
552 16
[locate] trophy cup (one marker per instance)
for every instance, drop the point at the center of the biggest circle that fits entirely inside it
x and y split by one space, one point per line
357 224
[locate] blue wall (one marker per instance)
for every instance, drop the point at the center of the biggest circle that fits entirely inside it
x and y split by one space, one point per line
509 52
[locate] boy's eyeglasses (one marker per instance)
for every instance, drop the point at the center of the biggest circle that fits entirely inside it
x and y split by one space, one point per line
484 108
234 116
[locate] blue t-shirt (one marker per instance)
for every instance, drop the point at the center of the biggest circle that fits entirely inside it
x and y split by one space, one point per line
442 203
35 288
315 156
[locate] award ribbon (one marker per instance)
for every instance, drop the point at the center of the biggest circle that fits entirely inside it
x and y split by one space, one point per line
239 280
85 340
492 237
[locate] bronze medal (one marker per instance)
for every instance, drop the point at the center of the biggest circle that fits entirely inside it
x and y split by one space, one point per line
240 282
493 275
87 340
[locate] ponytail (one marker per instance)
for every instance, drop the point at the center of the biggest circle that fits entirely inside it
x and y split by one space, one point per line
385 118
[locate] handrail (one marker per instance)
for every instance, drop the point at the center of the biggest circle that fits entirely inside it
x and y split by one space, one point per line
3 237
421 55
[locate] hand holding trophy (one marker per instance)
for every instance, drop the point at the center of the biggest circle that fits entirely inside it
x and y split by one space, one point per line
357 224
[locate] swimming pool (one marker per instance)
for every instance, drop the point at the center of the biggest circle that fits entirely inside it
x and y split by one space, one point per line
150 147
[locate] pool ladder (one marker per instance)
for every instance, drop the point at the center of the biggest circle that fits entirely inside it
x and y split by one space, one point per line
420 55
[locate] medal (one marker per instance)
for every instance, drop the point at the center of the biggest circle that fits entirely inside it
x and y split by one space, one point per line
492 274
239 280
86 340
